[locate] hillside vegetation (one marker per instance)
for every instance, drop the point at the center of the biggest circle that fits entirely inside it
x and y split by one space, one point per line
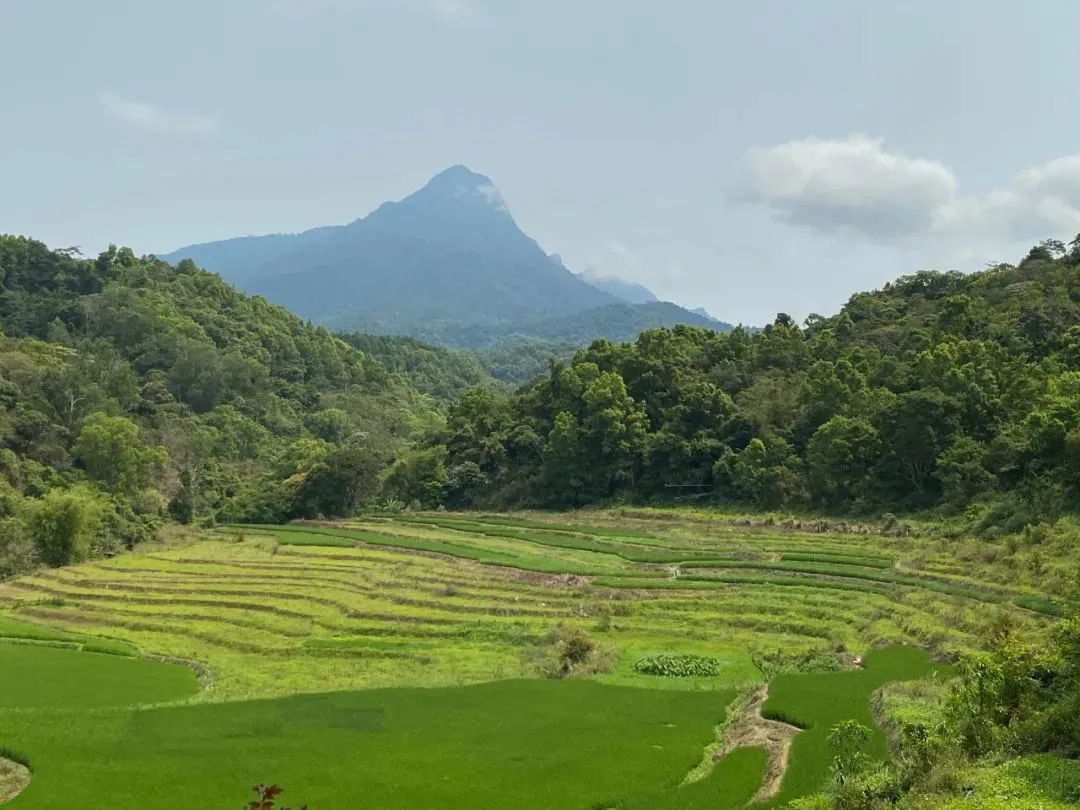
444 374
132 391
942 390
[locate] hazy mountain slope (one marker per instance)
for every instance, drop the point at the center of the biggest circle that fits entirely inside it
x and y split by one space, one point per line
447 264
614 322
451 251
239 260
627 291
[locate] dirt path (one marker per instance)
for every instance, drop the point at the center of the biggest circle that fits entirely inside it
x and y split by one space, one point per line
748 729
13 779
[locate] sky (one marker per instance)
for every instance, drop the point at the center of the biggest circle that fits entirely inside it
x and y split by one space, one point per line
750 157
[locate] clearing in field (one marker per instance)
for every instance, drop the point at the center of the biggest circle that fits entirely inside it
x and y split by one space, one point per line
280 626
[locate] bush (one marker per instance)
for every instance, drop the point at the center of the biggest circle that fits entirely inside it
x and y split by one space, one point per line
17 552
567 651
679 666
776 662
63 524
876 788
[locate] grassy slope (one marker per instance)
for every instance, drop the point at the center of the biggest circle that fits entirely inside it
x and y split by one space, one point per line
821 567
1039 782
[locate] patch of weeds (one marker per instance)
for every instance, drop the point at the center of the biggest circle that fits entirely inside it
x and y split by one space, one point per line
778 662
604 618
680 666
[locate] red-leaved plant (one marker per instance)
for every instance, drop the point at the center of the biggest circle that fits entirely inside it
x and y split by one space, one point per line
267 794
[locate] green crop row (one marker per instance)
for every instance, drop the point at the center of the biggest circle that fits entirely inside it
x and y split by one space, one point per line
679 666
843 559
627 551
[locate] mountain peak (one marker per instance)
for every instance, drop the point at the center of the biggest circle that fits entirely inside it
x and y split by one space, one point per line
458 174
463 184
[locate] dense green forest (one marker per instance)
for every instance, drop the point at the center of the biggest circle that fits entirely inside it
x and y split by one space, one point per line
442 373
132 392
940 390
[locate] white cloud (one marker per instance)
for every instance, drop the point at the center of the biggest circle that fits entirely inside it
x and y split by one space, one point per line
152 118
1043 201
851 184
491 193
464 13
855 184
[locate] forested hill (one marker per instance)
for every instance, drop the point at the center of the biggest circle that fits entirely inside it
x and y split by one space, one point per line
131 390
937 391
444 374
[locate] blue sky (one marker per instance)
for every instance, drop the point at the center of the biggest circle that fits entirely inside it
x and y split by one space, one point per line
748 157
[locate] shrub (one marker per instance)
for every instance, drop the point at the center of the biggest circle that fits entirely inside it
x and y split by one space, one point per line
776 662
17 553
848 742
679 666
567 651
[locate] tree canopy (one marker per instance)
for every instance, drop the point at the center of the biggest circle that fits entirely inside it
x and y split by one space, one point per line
938 390
131 390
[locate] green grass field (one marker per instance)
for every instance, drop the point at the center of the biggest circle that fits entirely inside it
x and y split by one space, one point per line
816 702
512 744
285 624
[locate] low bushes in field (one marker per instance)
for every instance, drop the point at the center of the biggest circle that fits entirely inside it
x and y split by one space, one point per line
773 662
567 651
679 666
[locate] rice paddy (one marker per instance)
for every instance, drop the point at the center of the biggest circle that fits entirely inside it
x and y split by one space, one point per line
283 625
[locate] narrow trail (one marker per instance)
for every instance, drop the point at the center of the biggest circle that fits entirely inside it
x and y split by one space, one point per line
748 729
13 779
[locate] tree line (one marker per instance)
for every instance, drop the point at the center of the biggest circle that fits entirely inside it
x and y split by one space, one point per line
941 390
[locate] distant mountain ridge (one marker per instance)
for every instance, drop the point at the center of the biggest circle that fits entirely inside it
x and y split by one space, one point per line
445 262
628 291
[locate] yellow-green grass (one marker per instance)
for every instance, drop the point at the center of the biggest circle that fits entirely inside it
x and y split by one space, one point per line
1037 782
502 545
270 618
21 632
737 666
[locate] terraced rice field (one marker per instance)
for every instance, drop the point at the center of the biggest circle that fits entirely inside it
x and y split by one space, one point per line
447 600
